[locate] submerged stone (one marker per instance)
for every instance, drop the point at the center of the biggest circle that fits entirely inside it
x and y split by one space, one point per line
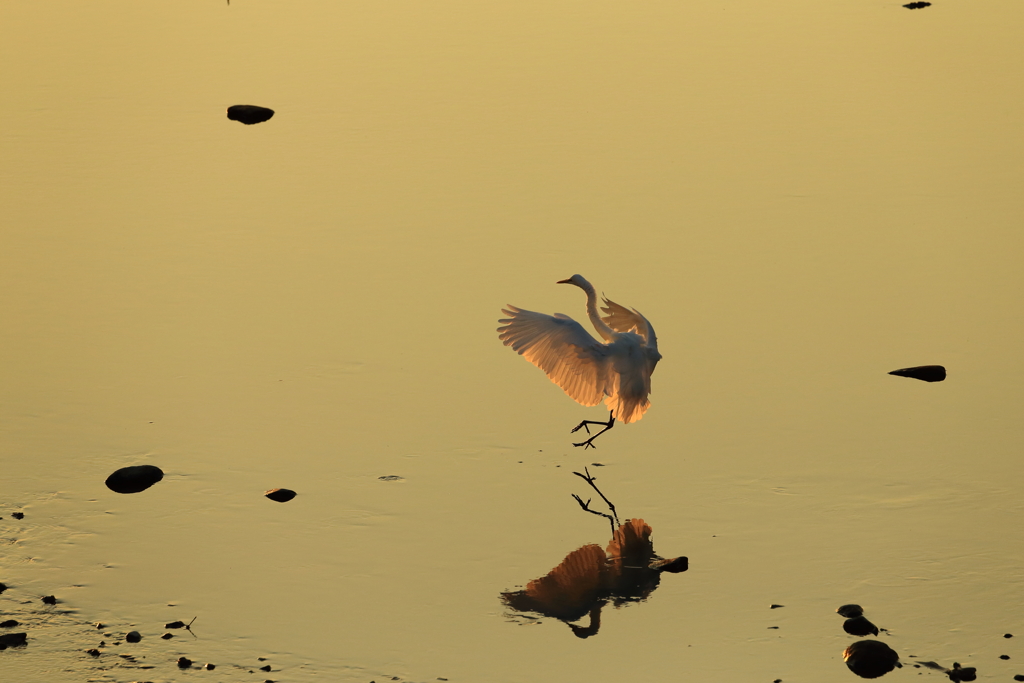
925 373
134 479
249 113
280 495
850 611
870 658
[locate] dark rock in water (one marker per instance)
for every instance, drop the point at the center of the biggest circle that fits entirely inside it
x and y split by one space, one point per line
249 114
50 600
18 515
850 611
94 652
967 673
265 668
918 5
775 606
134 479
860 626
1005 635
391 477
210 667
13 639
870 658
184 662
1004 656
133 637
926 373
3 587
167 636
175 624
1018 677
10 623
674 565
280 495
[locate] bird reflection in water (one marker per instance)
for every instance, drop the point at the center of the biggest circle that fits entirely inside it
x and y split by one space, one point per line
590 577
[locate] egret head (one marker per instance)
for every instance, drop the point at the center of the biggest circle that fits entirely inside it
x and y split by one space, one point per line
577 280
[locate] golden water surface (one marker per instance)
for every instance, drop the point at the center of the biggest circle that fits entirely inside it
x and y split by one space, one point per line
800 196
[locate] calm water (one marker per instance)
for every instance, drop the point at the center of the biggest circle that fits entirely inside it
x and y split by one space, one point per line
800 197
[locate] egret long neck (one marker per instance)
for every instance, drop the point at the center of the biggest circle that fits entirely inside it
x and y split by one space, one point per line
600 325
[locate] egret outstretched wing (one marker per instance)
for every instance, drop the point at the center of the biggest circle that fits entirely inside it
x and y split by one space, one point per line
559 346
622 319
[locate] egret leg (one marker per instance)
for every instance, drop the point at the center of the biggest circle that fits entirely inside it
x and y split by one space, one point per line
589 442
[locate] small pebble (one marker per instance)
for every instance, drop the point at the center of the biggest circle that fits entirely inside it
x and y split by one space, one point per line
98 625
280 495
94 652
249 113
134 479
12 639
175 624
265 668
167 636
925 373
850 611
184 662
1004 656
133 636
1005 635
3 587
957 674
210 667
18 515
870 658
860 626
50 600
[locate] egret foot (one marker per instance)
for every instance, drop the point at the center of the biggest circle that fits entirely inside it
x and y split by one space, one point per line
589 442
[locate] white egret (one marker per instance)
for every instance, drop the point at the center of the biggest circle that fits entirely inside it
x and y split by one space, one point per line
617 371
